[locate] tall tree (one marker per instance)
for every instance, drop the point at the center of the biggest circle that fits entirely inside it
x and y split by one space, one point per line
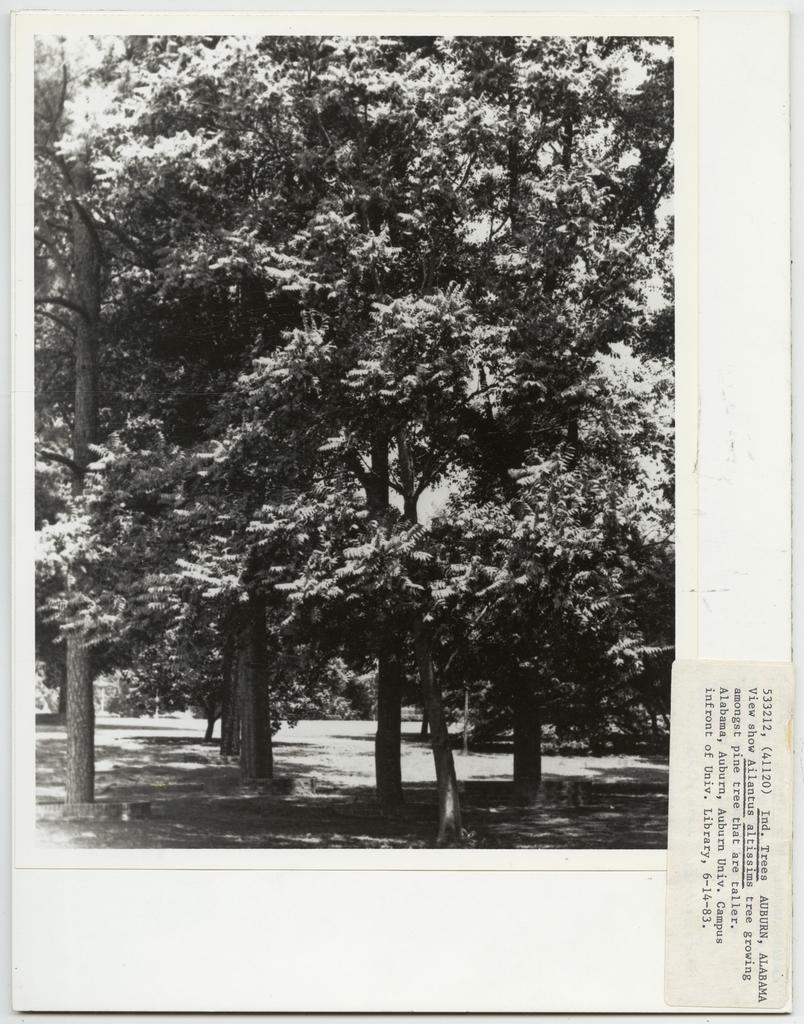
70 273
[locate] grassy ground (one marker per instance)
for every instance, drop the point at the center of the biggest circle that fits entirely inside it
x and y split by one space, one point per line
587 802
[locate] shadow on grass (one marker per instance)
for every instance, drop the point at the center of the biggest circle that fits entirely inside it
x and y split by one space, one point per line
352 819
619 806
369 738
356 822
156 726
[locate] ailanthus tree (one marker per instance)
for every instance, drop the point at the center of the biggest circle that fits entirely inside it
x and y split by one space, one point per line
557 591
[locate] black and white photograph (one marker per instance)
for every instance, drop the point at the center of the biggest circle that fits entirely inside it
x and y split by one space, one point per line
355 435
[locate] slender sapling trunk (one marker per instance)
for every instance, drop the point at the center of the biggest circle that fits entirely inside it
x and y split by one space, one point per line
449 804
256 753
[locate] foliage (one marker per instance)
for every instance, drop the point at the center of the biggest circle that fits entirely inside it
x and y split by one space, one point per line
385 338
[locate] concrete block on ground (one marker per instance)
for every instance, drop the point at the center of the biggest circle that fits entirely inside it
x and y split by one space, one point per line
156 788
102 810
282 786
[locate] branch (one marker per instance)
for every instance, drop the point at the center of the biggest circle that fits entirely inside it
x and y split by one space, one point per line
75 202
63 460
320 124
142 248
358 467
484 390
464 177
432 468
64 83
62 300
89 223
396 486
59 320
44 236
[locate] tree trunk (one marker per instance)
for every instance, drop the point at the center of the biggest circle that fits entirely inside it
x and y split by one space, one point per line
256 754
466 720
80 716
424 732
230 705
212 718
80 781
388 741
449 804
527 742
62 704
654 721
375 483
568 129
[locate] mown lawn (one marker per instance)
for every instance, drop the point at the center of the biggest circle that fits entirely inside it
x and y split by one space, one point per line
587 802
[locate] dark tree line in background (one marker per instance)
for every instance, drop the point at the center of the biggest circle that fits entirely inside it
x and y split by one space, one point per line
355 387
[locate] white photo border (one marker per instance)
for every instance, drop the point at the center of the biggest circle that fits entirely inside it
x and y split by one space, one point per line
547 939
